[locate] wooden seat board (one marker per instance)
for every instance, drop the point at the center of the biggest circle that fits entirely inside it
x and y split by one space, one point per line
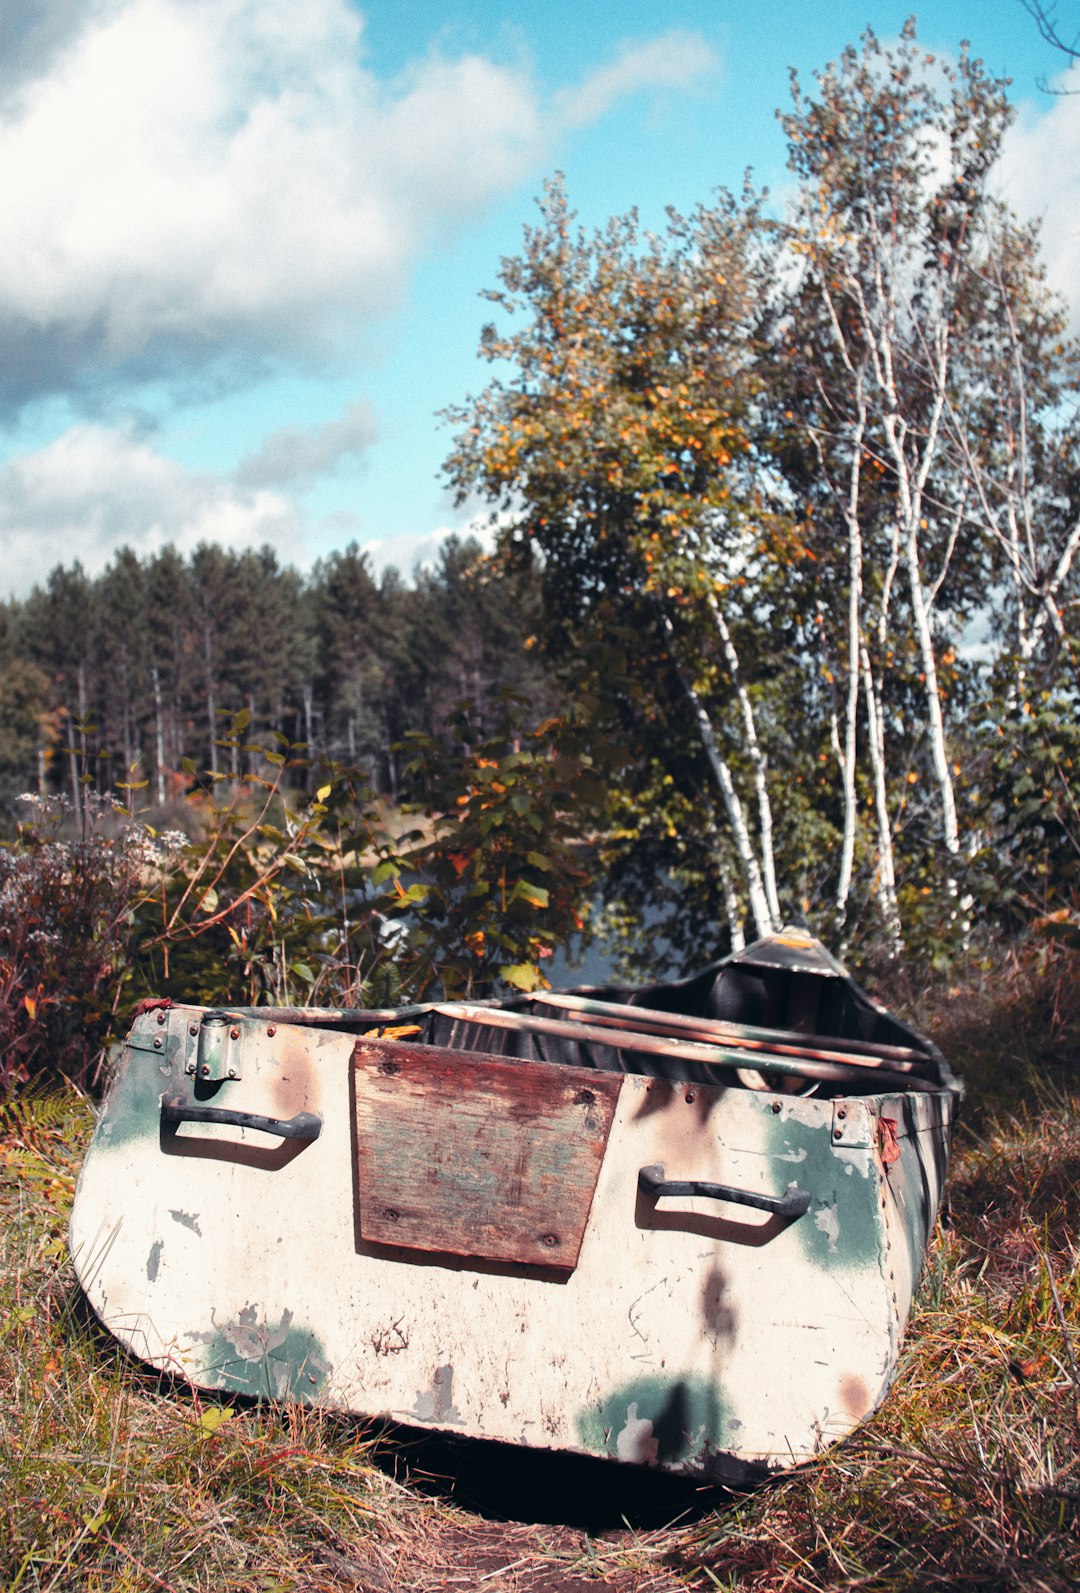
477 1156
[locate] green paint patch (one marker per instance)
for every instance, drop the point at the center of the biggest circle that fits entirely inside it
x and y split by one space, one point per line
279 1362
133 1105
843 1227
657 1421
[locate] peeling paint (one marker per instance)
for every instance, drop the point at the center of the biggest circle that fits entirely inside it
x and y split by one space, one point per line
436 1404
153 1260
187 1220
666 1420
827 1220
251 1356
635 1442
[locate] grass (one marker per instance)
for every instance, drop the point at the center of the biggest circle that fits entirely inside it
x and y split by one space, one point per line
967 1478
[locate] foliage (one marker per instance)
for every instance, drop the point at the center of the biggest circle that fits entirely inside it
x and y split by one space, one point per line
1032 780
758 484
268 901
502 878
620 456
67 940
24 725
283 899
124 676
797 463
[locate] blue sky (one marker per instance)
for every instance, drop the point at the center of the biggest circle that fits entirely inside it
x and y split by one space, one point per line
242 242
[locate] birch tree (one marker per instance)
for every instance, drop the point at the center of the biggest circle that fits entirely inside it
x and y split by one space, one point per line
616 453
905 353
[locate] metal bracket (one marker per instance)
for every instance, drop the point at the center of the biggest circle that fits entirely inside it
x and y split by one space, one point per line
216 1055
152 1040
851 1125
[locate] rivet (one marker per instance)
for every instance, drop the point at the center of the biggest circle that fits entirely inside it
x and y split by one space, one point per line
390 1214
232 1073
193 1028
838 1133
690 1096
234 1034
161 1018
312 1378
271 1031
157 1043
841 1111
190 1068
550 1240
776 1106
206 1070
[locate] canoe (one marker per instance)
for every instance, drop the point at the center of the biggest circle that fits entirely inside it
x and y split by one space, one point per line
678 1226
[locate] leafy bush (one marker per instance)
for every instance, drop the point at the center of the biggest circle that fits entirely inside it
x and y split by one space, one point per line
283 899
67 931
501 877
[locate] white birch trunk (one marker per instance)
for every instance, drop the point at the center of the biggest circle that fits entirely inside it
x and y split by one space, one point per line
758 761
73 760
886 875
848 752
760 909
935 717
159 731
211 700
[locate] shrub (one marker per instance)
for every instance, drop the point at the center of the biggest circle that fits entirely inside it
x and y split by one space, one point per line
67 906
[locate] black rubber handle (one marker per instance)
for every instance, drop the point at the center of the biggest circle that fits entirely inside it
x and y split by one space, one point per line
793 1203
305 1125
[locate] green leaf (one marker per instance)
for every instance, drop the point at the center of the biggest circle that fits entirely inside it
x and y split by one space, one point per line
302 971
323 792
241 721
536 895
523 976
214 1416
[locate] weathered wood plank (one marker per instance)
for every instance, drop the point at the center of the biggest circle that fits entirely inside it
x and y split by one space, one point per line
478 1156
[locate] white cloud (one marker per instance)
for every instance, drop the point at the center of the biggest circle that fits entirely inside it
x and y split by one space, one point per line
200 185
297 455
408 553
96 489
1040 177
674 60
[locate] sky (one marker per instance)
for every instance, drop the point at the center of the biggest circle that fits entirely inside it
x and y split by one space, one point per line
243 242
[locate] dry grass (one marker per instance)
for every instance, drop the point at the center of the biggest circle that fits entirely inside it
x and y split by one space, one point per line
968 1478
